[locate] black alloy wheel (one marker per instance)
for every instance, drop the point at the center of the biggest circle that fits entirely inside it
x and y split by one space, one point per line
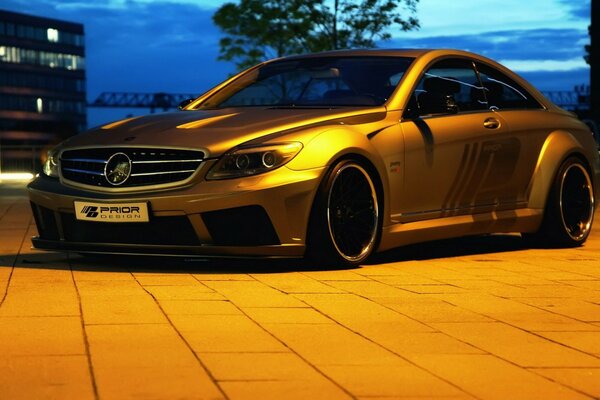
346 221
576 201
569 209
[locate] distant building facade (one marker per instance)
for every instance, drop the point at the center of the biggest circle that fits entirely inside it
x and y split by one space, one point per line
42 80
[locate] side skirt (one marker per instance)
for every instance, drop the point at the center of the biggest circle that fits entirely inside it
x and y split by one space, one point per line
519 220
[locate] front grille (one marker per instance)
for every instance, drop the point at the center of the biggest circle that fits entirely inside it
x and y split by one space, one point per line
175 230
148 166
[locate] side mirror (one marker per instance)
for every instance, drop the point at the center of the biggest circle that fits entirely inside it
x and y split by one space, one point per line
184 103
412 109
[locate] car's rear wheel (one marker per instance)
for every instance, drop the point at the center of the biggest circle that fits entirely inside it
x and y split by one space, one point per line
345 222
570 207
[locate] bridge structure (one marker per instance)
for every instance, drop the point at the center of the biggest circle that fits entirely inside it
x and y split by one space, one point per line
568 99
152 101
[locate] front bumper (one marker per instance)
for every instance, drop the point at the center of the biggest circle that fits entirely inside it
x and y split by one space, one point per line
260 216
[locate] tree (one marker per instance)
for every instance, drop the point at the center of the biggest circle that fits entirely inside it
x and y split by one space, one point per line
256 30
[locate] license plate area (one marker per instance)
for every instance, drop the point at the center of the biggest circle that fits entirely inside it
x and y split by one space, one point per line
112 212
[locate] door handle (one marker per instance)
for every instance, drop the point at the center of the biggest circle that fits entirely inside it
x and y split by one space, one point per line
491 123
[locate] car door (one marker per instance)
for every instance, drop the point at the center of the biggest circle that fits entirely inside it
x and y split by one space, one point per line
529 124
457 151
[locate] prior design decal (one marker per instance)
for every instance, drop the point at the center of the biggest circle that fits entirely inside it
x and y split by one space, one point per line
111 212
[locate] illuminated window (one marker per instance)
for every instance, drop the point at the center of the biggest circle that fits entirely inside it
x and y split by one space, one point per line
39 105
52 35
52 60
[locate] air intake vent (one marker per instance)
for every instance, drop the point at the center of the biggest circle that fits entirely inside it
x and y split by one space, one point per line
129 167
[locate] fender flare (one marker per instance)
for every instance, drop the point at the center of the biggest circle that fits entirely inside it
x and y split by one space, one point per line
344 142
558 146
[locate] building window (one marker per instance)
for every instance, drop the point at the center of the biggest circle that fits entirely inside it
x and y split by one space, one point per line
52 35
45 58
37 105
40 34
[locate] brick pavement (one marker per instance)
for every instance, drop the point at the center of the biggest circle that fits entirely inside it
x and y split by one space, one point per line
472 318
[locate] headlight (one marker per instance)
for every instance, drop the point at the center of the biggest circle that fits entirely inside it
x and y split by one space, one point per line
51 165
246 161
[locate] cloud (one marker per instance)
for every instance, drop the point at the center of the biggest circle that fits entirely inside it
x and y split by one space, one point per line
145 46
578 9
532 44
172 45
544 65
141 46
558 80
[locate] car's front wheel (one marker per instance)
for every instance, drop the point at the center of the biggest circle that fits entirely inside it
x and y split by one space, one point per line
570 207
345 222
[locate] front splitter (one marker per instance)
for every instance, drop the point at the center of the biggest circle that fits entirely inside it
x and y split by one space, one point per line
278 251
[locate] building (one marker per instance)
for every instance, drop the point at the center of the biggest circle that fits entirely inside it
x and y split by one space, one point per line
42 86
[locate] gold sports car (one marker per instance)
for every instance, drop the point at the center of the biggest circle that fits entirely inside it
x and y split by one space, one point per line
331 156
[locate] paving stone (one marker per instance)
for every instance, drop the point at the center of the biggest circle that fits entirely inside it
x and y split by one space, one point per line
434 310
52 273
41 336
259 366
487 377
287 315
277 390
515 345
486 324
39 299
199 307
338 275
45 377
573 308
432 288
253 294
118 302
514 312
588 342
222 277
330 344
586 380
373 289
351 310
395 380
177 292
295 282
225 333
403 279
146 362
157 279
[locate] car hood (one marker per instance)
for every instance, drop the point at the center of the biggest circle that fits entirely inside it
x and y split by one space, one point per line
216 131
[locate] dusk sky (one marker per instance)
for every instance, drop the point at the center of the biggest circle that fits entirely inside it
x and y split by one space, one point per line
172 46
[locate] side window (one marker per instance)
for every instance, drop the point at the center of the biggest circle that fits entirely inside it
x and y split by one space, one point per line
449 86
502 92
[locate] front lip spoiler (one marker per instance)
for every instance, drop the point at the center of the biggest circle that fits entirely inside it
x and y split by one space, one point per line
208 251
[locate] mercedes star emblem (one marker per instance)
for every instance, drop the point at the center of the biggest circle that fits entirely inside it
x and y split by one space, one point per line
117 169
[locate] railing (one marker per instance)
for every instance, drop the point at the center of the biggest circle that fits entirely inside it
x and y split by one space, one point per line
570 100
21 158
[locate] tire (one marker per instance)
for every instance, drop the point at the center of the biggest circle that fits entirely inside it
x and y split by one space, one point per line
345 222
570 207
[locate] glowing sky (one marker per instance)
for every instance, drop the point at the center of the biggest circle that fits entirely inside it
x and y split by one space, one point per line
172 46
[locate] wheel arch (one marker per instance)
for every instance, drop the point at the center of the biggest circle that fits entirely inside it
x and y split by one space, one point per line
558 146
341 144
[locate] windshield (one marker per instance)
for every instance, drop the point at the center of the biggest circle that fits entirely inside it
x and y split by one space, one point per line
314 82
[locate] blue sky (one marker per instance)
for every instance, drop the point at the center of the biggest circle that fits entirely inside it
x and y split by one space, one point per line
172 45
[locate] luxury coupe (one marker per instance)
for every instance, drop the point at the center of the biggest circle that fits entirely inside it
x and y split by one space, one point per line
328 156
